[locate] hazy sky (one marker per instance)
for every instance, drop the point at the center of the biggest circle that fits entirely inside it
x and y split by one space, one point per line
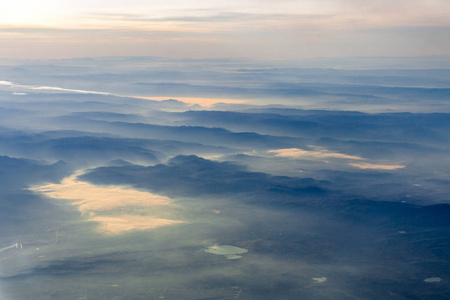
233 28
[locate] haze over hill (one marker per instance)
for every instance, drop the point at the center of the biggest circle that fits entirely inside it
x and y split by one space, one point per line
311 179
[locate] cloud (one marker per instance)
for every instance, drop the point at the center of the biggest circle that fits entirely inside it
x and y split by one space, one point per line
376 166
48 88
125 222
89 197
115 209
325 154
203 101
216 17
300 21
319 153
282 28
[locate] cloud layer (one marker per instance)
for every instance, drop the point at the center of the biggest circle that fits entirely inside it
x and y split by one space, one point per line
253 28
319 153
112 207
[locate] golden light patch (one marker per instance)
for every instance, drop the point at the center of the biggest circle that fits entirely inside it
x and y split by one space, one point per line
319 153
125 222
114 202
89 197
196 100
375 166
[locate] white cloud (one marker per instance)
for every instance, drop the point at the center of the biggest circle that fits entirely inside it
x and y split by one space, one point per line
318 153
376 166
46 88
113 208
265 29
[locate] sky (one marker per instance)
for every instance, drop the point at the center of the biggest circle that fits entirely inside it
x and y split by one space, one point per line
262 29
